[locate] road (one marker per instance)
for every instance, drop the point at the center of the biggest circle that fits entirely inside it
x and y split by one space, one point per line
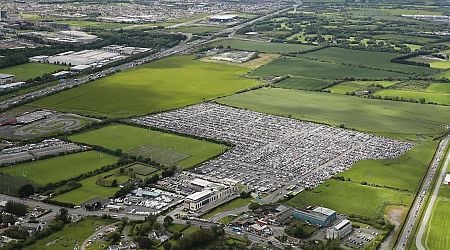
183 47
427 215
91 237
419 201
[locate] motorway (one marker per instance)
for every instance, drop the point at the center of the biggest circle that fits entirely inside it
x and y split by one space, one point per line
427 215
419 202
180 48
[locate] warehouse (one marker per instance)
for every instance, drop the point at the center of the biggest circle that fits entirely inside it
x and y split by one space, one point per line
319 216
85 57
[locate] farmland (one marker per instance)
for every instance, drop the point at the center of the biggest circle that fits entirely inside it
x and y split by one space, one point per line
348 87
128 138
90 189
165 84
60 168
65 238
378 60
437 236
436 92
27 71
94 24
317 69
375 116
303 83
265 47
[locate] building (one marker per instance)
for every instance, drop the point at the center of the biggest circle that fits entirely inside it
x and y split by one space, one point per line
211 192
6 79
3 16
447 180
339 230
56 26
319 216
223 18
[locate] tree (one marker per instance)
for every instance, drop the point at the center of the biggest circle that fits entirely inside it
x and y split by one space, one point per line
168 221
254 206
16 208
63 215
145 243
167 245
26 190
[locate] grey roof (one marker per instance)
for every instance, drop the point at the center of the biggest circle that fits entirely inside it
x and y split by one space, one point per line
4 76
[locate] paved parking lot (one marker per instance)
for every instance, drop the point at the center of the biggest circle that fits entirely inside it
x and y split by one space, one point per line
271 151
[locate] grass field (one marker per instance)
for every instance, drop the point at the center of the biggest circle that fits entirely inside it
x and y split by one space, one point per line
236 203
379 60
141 169
164 156
27 71
127 138
161 85
317 69
72 235
365 200
438 237
435 92
303 83
10 184
94 24
347 87
90 190
377 116
265 47
196 29
60 168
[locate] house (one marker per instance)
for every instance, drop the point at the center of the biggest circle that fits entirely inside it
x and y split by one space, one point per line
6 79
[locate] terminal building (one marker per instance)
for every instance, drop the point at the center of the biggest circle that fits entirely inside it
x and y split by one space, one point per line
319 216
340 230
212 192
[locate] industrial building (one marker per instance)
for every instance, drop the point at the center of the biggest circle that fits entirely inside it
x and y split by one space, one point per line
84 57
340 230
212 192
319 216
223 18
6 79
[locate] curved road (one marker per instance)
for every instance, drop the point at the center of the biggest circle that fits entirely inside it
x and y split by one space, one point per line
418 203
426 217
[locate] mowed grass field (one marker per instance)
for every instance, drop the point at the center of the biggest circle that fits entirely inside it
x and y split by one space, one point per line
436 92
398 181
27 71
317 69
94 24
60 168
376 116
66 238
261 46
297 82
161 85
379 60
127 138
438 236
90 190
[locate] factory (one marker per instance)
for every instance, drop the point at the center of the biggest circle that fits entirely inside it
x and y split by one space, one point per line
84 57
318 216
212 192
340 230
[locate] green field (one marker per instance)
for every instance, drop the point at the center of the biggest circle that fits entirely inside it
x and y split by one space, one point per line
94 24
12 184
435 92
365 200
60 168
303 83
376 116
379 60
438 237
265 47
128 138
317 69
72 235
161 85
90 190
27 71
141 169
196 29
353 86
236 203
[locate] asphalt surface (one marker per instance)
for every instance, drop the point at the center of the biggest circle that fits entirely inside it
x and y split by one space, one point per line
427 215
420 198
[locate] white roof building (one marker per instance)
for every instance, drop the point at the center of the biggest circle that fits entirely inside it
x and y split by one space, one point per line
447 179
